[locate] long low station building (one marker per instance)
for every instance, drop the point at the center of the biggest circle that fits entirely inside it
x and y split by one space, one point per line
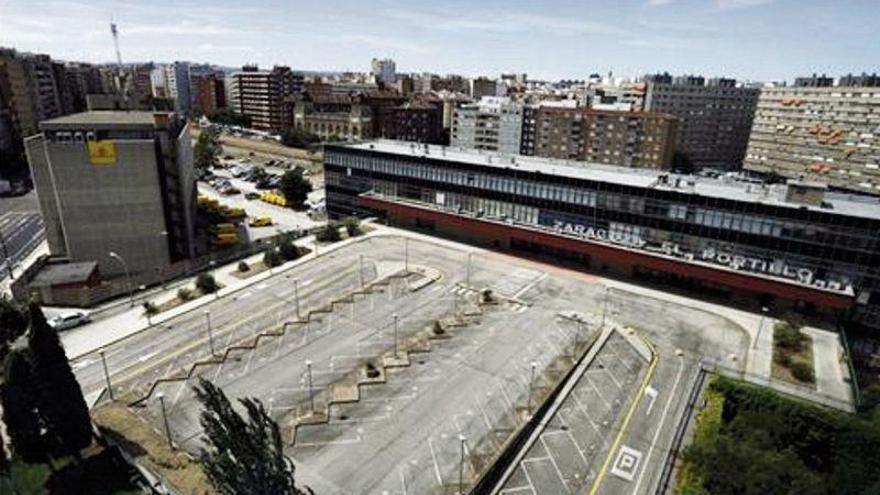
788 246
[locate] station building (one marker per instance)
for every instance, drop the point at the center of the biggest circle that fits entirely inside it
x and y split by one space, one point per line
789 246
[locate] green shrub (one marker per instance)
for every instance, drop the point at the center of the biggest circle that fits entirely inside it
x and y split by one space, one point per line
328 233
486 296
783 357
288 250
206 283
184 294
243 267
802 371
788 336
352 226
438 328
372 371
272 258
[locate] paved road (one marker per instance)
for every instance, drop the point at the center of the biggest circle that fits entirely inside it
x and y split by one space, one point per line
20 233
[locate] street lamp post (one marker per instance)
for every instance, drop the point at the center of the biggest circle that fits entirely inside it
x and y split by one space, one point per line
395 334
468 279
406 255
211 264
296 297
106 373
117 257
361 269
531 385
764 310
311 394
163 236
161 398
462 440
210 333
605 305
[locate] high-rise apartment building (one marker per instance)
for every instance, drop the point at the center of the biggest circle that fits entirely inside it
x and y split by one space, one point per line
260 95
384 70
715 117
494 124
178 86
627 139
117 182
821 131
207 89
483 86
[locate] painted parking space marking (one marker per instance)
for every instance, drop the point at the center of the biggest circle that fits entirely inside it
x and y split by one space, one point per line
627 463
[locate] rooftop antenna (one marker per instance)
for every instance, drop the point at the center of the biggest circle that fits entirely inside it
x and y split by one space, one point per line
120 75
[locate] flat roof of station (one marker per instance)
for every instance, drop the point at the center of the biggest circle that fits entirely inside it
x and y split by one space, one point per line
837 203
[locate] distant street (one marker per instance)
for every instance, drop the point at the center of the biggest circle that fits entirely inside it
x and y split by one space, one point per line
21 230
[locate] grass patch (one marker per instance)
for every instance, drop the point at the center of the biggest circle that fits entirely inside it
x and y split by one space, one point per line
755 441
792 356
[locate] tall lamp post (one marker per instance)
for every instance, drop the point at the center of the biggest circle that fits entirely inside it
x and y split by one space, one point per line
116 256
210 333
163 237
764 310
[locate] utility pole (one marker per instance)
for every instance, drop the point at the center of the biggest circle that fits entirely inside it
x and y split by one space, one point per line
106 373
361 269
462 440
161 398
210 333
468 280
395 334
296 296
531 385
311 395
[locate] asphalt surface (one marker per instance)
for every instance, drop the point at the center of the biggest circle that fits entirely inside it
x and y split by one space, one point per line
21 229
570 451
405 436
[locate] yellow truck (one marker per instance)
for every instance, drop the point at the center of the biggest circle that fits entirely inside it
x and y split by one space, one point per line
226 228
225 239
274 198
263 221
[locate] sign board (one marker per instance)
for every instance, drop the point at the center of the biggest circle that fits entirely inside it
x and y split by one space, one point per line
102 152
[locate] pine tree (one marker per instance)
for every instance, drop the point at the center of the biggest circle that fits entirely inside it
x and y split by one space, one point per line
20 413
244 456
61 402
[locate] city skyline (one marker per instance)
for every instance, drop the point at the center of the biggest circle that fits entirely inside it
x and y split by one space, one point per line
631 38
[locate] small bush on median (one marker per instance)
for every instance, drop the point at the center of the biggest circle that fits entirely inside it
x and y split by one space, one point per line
802 371
372 371
184 294
243 266
352 226
328 233
272 258
788 336
206 283
438 328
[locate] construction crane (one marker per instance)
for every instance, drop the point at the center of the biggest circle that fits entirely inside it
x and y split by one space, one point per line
120 75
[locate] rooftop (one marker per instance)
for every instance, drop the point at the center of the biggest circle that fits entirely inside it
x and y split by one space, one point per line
104 118
834 202
65 273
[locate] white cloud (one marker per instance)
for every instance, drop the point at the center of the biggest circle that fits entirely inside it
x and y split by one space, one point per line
657 3
739 4
510 22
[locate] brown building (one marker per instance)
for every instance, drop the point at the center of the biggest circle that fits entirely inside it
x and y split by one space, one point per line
331 116
628 139
261 95
210 94
419 120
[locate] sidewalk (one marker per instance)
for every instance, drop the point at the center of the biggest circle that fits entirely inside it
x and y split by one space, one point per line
89 338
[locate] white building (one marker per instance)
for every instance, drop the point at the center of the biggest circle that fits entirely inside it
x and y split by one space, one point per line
493 124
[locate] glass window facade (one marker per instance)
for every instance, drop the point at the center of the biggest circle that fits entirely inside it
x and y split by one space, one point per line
816 248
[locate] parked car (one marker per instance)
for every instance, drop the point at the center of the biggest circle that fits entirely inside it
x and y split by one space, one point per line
69 320
262 221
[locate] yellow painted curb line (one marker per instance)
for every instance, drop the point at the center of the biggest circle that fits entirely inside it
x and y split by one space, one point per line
632 409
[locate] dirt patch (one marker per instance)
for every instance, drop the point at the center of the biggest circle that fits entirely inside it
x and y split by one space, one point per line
150 448
787 362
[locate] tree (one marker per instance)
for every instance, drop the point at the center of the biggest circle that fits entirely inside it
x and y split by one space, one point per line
226 116
272 258
5 465
352 226
150 310
20 409
206 283
61 401
295 188
287 249
299 138
207 149
243 266
13 321
244 455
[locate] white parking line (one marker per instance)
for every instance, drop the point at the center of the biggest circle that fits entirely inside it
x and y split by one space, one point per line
434 458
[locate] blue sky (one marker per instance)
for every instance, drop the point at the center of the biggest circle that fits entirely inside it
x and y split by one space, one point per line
753 39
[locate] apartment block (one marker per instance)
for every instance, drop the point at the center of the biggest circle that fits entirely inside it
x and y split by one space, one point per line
261 94
494 124
332 116
821 131
119 182
483 86
627 139
715 117
384 70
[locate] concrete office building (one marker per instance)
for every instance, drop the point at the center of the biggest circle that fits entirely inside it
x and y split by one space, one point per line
116 181
384 71
715 117
820 131
792 246
260 95
491 124
627 139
